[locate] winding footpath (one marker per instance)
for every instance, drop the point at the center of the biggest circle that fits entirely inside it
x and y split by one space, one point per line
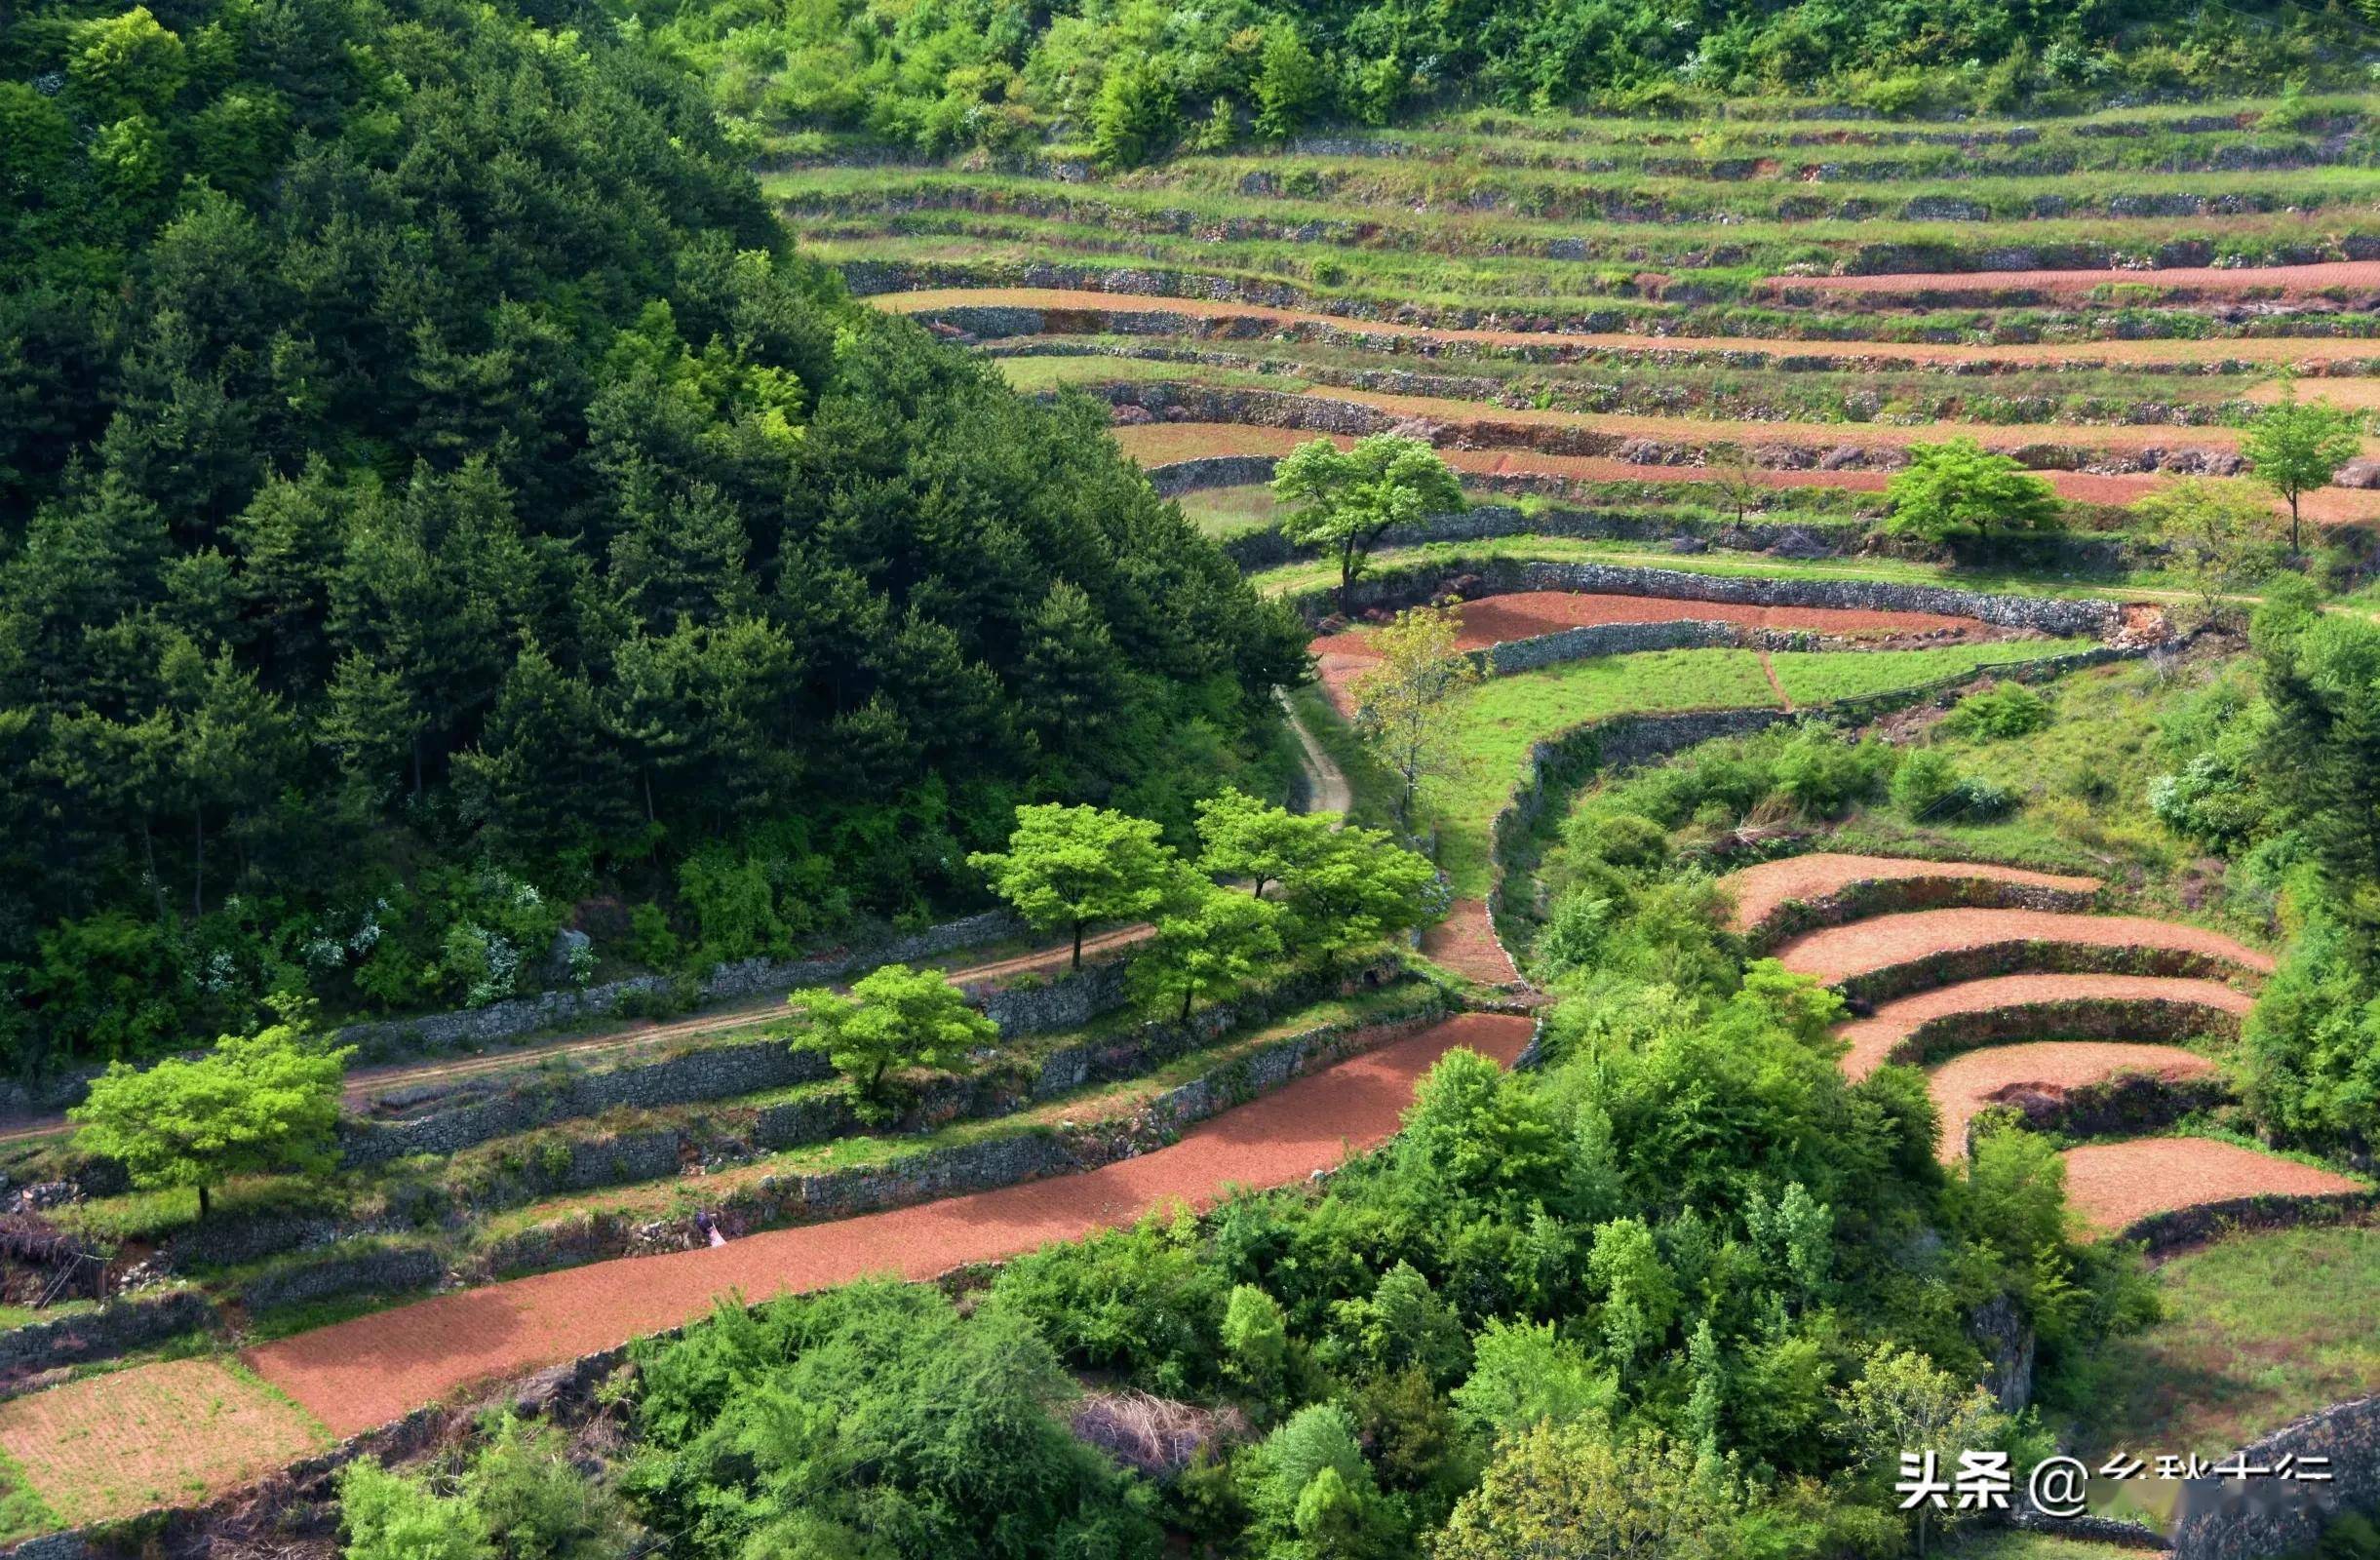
2015 1033
146 1439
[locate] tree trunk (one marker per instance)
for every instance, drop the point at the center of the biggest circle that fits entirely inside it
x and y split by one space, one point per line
2295 550
203 1203
1078 925
1346 580
1259 886
148 855
1187 991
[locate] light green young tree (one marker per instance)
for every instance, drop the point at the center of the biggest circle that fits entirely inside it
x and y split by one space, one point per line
894 1017
1240 836
1071 866
1215 942
2296 445
1955 489
1904 1403
1341 501
2222 538
1405 701
255 1105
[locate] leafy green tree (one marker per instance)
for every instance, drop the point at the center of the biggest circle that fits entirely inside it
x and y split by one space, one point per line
1955 489
1475 1131
397 1516
1358 888
1524 1375
1071 866
1405 701
1341 501
2296 445
1135 117
1213 944
1312 1493
2219 538
1903 1402
257 1103
1244 837
895 1016
1290 86
1255 1340
125 65
1576 1492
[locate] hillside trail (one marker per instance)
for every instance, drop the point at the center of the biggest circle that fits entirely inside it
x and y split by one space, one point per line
1326 784
365 1084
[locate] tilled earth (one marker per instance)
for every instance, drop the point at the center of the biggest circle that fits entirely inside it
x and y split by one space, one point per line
1761 890
1873 1038
1839 952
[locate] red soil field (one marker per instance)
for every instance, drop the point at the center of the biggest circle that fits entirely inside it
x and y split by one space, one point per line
1761 890
371 1369
1967 1083
1839 952
2311 353
1465 942
2285 281
1161 444
1525 614
1874 1040
2113 1184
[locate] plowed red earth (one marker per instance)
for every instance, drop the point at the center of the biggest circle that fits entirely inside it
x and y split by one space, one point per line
1874 1038
1095 306
1161 444
1761 890
1464 942
1526 614
2287 281
1969 1083
2113 1185
369 1371
1840 952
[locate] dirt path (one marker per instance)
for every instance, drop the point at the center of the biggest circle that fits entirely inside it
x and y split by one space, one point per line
1837 954
1326 784
366 1372
1761 890
1768 669
1465 942
1973 1081
1873 1040
1083 312
365 1084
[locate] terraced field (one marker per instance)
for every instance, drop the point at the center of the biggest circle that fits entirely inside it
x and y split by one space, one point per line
1594 301
2045 1007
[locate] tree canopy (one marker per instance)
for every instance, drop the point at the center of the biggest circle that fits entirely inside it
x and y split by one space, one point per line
1341 501
1956 488
434 496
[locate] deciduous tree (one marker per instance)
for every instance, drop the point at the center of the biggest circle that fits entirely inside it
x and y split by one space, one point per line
894 1017
1957 488
2221 538
1404 702
2296 445
1341 501
1242 837
255 1105
1216 942
1071 866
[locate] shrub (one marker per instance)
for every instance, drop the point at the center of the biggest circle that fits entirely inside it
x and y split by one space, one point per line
2003 710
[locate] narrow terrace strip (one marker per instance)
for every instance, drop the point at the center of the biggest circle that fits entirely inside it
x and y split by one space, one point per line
373 1369
2285 281
1162 444
1761 890
1076 311
2114 1185
1465 942
1875 1038
1838 954
1969 1083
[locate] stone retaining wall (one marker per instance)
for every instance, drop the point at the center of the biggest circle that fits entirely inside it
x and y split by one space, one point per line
2128 1105
132 1322
1893 896
1411 584
2204 1222
1985 959
780 1201
2245 1519
390 1269
2154 1020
